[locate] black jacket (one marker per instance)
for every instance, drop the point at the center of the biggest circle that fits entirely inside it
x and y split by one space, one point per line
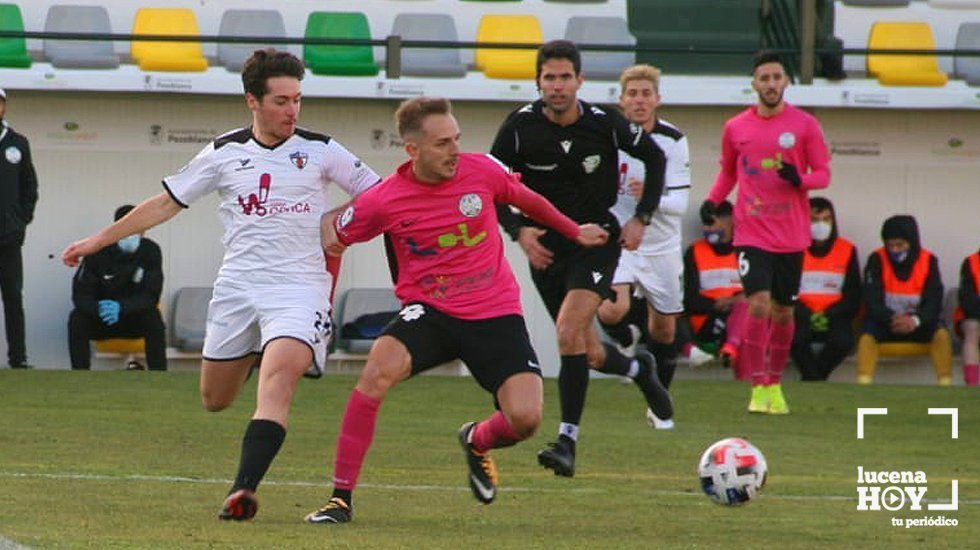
930 306
847 308
575 167
134 280
969 294
18 186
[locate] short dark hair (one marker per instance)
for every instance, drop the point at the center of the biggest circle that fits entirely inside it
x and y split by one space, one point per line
412 112
724 210
559 49
765 56
268 63
820 204
122 211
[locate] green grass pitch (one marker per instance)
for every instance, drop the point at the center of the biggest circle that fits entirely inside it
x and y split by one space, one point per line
131 460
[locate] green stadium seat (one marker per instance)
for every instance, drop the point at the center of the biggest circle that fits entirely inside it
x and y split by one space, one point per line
696 24
13 51
346 60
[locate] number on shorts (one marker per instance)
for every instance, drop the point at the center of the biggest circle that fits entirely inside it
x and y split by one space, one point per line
743 264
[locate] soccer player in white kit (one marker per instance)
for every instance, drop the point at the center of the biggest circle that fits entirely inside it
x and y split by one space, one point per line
656 267
271 296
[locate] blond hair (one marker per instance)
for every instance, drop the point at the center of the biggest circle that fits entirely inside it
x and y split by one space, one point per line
642 71
412 113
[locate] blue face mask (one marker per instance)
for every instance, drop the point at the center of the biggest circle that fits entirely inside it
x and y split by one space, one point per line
129 244
714 236
898 257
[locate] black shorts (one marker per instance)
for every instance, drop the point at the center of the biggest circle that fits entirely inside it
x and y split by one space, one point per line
777 273
493 349
585 268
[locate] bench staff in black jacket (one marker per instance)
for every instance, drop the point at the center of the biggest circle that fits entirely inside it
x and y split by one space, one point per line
18 195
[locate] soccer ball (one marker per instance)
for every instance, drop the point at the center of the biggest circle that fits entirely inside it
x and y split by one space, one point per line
732 471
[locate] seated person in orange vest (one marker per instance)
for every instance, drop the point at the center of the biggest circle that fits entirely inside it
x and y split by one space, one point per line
714 302
830 293
116 292
967 317
903 295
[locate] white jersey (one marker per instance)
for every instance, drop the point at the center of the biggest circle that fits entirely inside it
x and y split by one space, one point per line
271 200
663 235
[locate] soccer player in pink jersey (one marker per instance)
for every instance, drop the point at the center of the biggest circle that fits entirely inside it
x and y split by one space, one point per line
460 298
775 154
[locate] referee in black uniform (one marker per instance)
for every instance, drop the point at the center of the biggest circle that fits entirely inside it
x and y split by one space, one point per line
18 195
566 150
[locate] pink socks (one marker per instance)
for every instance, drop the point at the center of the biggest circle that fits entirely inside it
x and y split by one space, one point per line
356 434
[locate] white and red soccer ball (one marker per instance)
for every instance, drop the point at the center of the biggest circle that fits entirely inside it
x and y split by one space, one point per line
732 471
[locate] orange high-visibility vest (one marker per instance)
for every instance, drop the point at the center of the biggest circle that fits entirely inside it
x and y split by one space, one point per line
904 296
717 276
974 259
822 283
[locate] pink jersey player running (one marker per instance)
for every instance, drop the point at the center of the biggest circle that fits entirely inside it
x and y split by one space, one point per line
775 154
460 298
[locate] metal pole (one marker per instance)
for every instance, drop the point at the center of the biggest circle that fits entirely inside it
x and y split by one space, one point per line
393 57
808 33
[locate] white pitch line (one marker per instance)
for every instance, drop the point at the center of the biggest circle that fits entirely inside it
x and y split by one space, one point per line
397 487
7 544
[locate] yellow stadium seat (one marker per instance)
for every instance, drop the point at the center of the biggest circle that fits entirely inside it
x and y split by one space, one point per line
519 29
904 70
904 349
124 346
167 56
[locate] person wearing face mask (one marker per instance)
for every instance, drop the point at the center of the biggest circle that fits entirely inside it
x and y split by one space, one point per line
903 295
967 317
116 292
830 293
714 300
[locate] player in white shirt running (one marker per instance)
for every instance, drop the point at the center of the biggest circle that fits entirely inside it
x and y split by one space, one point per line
271 296
656 268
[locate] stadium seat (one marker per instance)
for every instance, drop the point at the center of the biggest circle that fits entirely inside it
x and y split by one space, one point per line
129 348
247 23
431 62
167 56
189 317
361 315
13 51
877 3
701 24
968 68
955 4
515 64
79 54
904 70
350 60
602 30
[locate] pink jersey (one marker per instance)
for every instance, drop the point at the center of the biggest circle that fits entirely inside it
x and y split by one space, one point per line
770 213
448 250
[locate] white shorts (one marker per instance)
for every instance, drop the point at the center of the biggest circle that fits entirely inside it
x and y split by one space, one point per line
659 279
244 320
